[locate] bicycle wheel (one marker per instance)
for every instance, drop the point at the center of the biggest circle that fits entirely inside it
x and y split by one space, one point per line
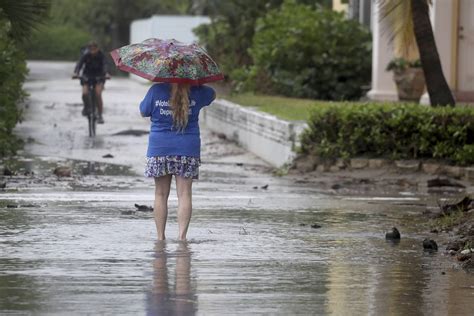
91 126
92 117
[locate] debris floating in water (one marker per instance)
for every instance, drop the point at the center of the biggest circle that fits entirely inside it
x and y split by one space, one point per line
8 172
393 235
243 231
444 182
430 245
465 204
143 208
63 171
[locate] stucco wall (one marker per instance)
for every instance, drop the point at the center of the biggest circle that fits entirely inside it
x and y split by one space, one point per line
265 135
179 27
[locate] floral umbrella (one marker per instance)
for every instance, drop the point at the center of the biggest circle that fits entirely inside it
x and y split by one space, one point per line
167 61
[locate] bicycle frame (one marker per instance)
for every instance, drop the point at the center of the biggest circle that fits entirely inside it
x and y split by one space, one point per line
92 106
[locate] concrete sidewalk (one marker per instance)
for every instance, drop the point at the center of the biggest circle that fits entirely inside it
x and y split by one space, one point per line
53 124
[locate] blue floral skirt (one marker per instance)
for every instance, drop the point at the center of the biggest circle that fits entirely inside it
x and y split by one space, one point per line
183 166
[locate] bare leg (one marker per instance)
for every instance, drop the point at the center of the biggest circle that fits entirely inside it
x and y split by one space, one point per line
162 191
85 90
85 97
98 92
184 189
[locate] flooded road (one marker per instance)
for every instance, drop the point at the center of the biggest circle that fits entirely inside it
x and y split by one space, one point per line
76 245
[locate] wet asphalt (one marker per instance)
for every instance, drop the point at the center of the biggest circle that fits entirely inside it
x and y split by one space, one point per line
77 245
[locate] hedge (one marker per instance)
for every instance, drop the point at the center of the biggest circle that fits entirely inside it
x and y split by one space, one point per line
396 131
12 74
56 42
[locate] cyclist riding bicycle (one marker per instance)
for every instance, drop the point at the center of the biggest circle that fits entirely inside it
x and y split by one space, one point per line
95 65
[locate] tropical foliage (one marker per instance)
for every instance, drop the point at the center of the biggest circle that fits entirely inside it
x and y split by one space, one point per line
23 16
408 21
17 19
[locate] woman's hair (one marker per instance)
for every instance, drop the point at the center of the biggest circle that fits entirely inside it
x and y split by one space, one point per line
179 103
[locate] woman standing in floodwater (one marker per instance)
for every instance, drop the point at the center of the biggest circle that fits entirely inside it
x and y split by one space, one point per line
174 146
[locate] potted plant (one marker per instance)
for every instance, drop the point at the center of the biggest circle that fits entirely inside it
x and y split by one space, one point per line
409 78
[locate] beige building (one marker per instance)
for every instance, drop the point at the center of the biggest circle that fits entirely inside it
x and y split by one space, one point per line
453 25
360 10
340 5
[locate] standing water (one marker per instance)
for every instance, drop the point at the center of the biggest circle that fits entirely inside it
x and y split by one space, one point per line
77 245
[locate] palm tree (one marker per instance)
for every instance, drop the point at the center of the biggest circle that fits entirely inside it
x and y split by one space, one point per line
24 15
408 21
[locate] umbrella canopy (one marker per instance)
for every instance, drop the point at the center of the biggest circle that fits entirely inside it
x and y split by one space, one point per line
167 61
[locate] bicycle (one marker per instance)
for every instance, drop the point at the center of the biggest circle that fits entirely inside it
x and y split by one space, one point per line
91 108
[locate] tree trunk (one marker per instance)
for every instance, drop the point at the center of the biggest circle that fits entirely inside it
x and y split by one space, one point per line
438 89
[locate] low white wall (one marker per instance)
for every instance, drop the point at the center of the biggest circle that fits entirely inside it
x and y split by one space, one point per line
265 135
179 27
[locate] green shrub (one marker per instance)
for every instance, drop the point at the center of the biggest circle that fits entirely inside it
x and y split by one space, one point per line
12 74
215 37
398 131
56 42
229 35
304 52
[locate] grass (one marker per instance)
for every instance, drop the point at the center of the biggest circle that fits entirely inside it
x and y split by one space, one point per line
447 222
291 109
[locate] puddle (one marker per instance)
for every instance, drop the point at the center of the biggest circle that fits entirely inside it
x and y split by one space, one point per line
44 166
76 250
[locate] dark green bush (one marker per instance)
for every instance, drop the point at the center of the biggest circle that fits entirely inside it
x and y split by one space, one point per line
397 131
12 74
229 36
300 51
232 28
56 42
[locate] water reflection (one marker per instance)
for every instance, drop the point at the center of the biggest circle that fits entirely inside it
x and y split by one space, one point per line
69 257
18 292
166 298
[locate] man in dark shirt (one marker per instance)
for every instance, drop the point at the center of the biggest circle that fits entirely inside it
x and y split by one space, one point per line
95 69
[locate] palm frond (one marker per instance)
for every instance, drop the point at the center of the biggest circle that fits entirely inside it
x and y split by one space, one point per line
24 15
397 23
